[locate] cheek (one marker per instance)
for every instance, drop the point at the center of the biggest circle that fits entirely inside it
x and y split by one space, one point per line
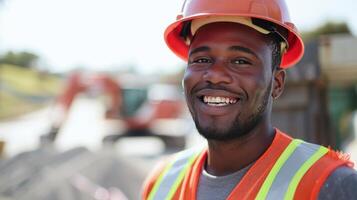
263 90
257 88
188 84
189 80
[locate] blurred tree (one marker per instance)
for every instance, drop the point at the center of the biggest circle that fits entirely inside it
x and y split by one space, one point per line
327 28
22 59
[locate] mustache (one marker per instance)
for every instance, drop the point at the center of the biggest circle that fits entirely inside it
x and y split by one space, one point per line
212 87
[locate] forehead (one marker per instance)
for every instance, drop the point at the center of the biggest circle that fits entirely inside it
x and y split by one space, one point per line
229 34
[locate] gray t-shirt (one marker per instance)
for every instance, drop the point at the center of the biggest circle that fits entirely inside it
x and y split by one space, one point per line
341 184
218 187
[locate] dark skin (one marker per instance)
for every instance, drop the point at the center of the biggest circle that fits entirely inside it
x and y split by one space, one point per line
234 63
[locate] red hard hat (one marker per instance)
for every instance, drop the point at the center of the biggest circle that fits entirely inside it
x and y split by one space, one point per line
271 11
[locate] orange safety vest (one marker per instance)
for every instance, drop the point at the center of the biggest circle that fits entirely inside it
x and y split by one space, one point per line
289 169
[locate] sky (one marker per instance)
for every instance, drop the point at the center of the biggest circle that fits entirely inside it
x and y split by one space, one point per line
114 34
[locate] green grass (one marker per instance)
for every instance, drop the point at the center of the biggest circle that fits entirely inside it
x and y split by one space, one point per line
27 82
11 106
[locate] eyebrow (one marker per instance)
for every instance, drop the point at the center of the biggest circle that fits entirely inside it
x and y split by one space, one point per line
199 49
244 49
232 48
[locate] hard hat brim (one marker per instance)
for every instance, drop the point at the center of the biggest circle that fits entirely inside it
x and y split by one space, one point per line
178 45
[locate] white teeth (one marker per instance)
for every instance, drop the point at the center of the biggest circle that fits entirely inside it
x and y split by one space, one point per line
218 101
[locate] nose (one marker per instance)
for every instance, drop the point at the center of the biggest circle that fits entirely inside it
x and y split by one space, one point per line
217 73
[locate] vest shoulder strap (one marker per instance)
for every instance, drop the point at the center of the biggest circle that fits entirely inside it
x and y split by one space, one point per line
173 174
310 185
288 170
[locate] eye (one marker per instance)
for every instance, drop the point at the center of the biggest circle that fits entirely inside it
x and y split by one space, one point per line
201 60
240 61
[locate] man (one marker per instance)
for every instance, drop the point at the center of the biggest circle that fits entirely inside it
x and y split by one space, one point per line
237 51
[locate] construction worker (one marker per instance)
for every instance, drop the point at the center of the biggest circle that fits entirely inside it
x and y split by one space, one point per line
237 52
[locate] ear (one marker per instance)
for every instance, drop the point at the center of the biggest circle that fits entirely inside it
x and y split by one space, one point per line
278 83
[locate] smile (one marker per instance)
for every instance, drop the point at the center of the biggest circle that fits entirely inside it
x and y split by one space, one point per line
218 101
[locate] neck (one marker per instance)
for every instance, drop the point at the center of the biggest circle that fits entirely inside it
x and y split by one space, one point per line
225 157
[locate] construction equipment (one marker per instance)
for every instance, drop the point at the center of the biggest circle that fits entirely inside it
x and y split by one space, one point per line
143 110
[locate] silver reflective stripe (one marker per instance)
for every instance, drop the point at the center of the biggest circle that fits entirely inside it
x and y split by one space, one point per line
285 175
173 173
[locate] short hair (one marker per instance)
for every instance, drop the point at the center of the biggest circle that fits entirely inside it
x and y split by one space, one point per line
277 35
276 50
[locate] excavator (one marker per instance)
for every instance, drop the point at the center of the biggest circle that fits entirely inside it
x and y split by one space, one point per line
157 110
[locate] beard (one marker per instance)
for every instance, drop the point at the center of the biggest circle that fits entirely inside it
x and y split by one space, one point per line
238 128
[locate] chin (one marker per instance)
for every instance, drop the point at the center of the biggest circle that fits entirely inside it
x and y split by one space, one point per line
213 133
236 130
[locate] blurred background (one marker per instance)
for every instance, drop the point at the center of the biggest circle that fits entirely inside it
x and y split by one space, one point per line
91 97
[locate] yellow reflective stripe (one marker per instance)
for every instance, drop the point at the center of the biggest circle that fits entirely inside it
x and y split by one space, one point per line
180 177
172 175
277 166
159 180
301 172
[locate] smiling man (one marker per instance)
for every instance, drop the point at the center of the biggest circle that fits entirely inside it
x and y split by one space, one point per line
237 52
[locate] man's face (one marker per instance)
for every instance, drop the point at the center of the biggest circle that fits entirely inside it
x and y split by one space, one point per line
228 80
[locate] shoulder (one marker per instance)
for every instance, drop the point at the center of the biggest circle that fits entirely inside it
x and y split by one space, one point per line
173 163
153 176
341 184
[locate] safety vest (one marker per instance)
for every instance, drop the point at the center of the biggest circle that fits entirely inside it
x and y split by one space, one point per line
289 169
